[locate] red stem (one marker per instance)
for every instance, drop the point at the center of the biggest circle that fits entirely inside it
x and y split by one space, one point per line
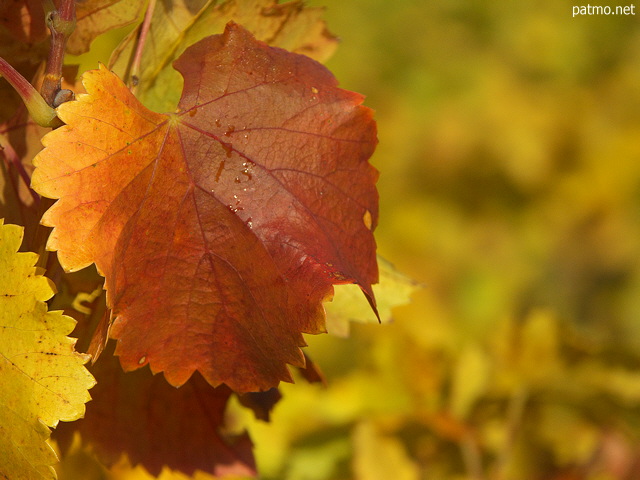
61 22
17 81
67 10
38 108
142 38
13 159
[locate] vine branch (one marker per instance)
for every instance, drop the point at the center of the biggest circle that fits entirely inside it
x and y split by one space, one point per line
61 23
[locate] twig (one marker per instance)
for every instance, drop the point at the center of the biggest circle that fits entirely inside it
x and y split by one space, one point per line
142 38
62 23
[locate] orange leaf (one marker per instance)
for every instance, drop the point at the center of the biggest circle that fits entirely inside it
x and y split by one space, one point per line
222 228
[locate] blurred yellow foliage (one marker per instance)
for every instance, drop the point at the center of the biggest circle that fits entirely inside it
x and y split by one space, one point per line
510 188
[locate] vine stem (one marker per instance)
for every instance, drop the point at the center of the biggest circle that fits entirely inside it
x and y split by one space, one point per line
61 23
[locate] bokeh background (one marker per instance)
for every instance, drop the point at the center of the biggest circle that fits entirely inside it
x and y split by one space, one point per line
510 190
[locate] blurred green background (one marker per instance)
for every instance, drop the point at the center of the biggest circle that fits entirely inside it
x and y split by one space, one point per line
510 188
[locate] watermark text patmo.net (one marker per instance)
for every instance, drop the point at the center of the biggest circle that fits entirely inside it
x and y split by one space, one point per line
603 10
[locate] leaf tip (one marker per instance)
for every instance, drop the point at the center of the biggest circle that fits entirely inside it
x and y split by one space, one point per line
369 295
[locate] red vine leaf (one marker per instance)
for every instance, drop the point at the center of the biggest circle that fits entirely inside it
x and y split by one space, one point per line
157 425
222 228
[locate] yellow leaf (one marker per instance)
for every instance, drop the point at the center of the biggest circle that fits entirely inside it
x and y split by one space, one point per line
378 457
572 439
528 353
42 378
349 304
176 25
470 379
94 17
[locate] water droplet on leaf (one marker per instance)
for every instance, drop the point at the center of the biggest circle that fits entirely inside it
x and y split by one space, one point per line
228 148
366 218
246 170
220 169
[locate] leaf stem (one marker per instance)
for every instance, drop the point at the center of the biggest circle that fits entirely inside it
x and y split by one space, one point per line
12 158
61 23
41 112
142 38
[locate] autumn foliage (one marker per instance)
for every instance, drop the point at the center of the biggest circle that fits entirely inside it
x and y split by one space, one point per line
232 218
510 179
220 227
